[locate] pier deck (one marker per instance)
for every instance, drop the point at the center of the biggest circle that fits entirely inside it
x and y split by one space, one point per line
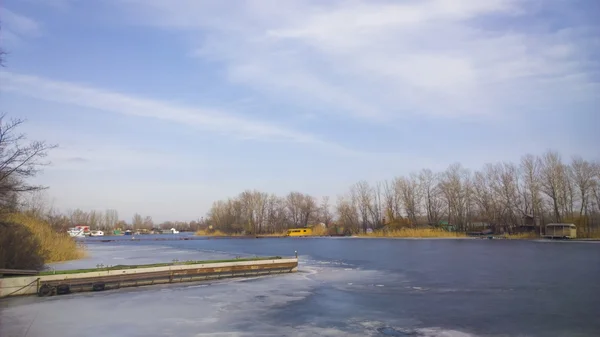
68 281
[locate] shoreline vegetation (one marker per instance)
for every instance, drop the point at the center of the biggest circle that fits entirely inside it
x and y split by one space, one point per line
30 243
407 233
511 200
27 240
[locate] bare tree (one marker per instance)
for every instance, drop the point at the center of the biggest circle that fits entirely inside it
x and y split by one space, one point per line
430 188
362 193
392 201
325 216
277 214
552 176
79 217
505 185
308 210
455 186
583 175
294 203
19 160
484 196
347 210
94 219
111 217
148 223
137 221
530 172
410 193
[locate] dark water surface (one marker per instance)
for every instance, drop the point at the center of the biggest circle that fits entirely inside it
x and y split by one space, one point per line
345 287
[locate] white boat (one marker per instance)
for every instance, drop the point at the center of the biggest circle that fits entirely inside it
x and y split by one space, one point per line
77 233
97 233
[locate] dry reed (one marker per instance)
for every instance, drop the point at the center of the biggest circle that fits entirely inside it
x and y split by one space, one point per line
414 233
53 246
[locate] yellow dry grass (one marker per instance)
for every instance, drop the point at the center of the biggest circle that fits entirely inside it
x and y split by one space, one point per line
203 232
319 231
584 234
521 236
414 233
53 246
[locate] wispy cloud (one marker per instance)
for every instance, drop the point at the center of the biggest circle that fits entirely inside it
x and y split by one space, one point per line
16 26
383 60
212 120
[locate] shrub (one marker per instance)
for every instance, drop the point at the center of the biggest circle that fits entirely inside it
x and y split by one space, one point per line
33 240
19 247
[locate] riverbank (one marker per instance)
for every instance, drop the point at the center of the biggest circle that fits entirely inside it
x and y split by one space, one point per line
424 233
400 233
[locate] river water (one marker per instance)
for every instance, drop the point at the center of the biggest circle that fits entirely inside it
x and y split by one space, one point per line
345 287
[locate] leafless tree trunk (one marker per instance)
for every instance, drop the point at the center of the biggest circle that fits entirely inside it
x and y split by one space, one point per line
455 188
19 160
530 171
583 176
484 196
433 203
392 201
325 215
79 217
111 218
137 221
347 210
552 181
363 194
294 202
411 195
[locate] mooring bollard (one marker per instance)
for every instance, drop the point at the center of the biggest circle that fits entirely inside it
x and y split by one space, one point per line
296 252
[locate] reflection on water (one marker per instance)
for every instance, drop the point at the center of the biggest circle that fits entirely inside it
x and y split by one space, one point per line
346 287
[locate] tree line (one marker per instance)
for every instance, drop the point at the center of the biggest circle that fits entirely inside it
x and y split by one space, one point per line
106 220
545 188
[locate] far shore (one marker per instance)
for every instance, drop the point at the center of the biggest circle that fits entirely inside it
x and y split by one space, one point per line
371 236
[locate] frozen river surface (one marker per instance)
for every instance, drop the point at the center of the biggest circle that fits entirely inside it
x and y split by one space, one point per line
345 287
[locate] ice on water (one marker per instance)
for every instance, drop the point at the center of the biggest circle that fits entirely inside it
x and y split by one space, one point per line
236 307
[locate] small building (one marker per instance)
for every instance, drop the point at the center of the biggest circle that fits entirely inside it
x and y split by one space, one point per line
299 231
561 231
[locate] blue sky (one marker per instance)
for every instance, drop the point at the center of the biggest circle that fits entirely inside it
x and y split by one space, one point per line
161 107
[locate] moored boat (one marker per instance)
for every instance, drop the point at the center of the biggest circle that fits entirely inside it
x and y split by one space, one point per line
76 232
97 233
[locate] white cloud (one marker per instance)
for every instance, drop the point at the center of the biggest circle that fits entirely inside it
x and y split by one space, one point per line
18 26
208 119
381 60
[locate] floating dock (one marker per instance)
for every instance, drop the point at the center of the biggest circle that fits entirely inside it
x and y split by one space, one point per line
100 279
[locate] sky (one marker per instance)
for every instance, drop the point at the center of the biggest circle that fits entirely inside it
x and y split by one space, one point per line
161 107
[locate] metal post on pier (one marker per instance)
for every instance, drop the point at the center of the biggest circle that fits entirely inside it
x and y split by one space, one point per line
296 252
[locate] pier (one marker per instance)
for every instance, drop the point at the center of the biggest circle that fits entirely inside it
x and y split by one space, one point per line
51 283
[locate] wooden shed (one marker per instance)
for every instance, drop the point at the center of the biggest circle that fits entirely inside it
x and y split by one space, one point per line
561 231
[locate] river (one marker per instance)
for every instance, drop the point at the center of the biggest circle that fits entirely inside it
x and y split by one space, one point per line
345 287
